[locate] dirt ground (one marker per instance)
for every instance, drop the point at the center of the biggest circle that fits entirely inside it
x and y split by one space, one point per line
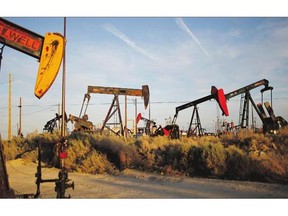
133 184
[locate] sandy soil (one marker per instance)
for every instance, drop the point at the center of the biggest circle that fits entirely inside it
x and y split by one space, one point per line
136 184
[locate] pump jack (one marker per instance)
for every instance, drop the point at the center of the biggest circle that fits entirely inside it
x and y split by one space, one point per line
52 124
150 125
152 130
217 94
49 51
270 123
115 106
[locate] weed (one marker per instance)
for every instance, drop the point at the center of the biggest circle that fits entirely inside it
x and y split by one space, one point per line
242 156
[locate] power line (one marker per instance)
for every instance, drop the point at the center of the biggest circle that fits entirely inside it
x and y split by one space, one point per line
2 83
108 103
31 105
37 111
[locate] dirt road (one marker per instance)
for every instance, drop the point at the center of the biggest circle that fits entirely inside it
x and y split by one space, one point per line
135 184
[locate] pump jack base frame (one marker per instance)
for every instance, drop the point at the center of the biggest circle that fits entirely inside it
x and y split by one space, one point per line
110 113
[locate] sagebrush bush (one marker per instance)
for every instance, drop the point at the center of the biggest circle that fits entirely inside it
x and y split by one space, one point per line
238 164
94 163
118 151
241 156
207 159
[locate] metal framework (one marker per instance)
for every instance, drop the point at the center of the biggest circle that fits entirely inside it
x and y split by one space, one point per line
270 122
246 99
115 105
216 94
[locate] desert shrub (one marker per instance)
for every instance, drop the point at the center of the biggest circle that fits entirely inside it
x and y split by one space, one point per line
181 163
273 167
11 149
256 157
32 135
280 141
15 147
229 139
238 164
207 159
83 157
242 156
44 138
30 156
244 133
120 152
117 151
95 163
48 142
283 132
77 151
248 141
169 156
146 151
158 153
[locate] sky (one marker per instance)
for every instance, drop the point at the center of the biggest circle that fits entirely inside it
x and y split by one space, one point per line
179 58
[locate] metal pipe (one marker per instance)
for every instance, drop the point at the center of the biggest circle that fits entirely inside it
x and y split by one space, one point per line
64 83
135 131
125 120
20 118
10 108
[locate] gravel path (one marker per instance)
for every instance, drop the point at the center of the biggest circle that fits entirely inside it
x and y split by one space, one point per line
135 184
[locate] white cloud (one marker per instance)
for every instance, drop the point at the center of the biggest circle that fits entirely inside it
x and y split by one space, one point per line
128 41
184 27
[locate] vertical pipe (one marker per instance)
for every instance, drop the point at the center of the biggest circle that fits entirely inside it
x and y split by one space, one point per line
245 116
59 115
261 97
125 127
119 114
1 53
20 118
63 83
252 116
271 99
136 110
135 122
149 111
63 93
9 108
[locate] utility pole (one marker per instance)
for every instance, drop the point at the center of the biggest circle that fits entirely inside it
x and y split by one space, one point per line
10 108
135 130
59 115
62 183
125 120
20 118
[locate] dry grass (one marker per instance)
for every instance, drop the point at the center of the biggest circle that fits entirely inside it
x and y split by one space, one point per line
242 156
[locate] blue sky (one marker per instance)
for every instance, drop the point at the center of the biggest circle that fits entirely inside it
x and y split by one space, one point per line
179 58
